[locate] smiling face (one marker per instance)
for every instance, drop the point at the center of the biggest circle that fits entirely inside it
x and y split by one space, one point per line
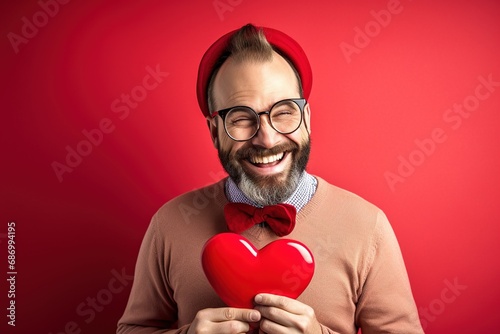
267 167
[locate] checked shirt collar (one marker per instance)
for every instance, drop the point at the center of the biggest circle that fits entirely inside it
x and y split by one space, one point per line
301 196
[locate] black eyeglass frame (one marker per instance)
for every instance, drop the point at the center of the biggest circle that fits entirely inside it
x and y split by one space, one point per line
300 102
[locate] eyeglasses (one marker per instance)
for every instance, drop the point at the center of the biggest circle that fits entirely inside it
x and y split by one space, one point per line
242 123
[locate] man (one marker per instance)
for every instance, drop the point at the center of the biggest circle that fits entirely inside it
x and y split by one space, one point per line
252 88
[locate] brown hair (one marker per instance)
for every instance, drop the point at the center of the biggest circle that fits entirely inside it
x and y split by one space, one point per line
247 44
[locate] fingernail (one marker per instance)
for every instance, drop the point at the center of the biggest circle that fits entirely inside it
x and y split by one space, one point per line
254 316
258 298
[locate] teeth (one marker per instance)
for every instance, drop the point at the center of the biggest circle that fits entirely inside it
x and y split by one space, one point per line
267 159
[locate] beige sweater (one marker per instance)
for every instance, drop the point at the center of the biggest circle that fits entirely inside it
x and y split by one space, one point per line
360 280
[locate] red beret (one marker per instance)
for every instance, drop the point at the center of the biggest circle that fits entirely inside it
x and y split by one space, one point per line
280 41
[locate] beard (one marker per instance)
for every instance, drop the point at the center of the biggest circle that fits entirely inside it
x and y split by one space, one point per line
267 189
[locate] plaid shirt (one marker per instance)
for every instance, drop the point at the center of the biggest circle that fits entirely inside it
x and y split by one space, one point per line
303 194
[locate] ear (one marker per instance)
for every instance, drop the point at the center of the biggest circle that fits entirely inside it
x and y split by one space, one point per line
307 117
214 131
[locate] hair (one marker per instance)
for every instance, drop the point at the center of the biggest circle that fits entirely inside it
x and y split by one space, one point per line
247 44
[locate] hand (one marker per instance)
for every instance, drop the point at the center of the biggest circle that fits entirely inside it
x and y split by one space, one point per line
223 320
285 315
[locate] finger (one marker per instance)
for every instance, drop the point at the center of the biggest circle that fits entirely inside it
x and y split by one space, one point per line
288 304
232 326
276 315
269 326
230 313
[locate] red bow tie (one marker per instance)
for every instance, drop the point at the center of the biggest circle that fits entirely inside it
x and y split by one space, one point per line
280 217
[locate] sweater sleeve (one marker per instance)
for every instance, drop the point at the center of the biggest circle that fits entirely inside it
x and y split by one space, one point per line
386 303
151 307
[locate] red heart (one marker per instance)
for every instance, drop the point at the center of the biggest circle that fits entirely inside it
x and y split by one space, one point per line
237 271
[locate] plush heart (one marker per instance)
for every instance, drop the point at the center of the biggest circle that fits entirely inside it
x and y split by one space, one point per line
238 271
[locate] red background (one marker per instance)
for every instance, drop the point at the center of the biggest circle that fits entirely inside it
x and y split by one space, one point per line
366 113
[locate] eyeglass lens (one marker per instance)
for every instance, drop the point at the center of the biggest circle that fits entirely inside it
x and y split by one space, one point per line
242 123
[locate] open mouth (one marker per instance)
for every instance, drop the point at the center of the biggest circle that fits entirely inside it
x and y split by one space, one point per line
267 160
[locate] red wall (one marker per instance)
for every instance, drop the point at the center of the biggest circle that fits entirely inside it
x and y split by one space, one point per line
405 112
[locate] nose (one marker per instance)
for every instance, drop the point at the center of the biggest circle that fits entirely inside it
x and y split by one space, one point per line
266 136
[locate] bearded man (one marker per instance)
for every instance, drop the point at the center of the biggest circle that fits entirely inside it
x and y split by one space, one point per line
253 85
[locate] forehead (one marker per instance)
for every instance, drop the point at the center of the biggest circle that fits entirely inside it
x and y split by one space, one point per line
258 84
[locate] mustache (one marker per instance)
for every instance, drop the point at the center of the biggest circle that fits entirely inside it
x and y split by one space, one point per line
258 151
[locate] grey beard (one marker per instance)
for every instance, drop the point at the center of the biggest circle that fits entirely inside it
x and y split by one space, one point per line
272 194
268 190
